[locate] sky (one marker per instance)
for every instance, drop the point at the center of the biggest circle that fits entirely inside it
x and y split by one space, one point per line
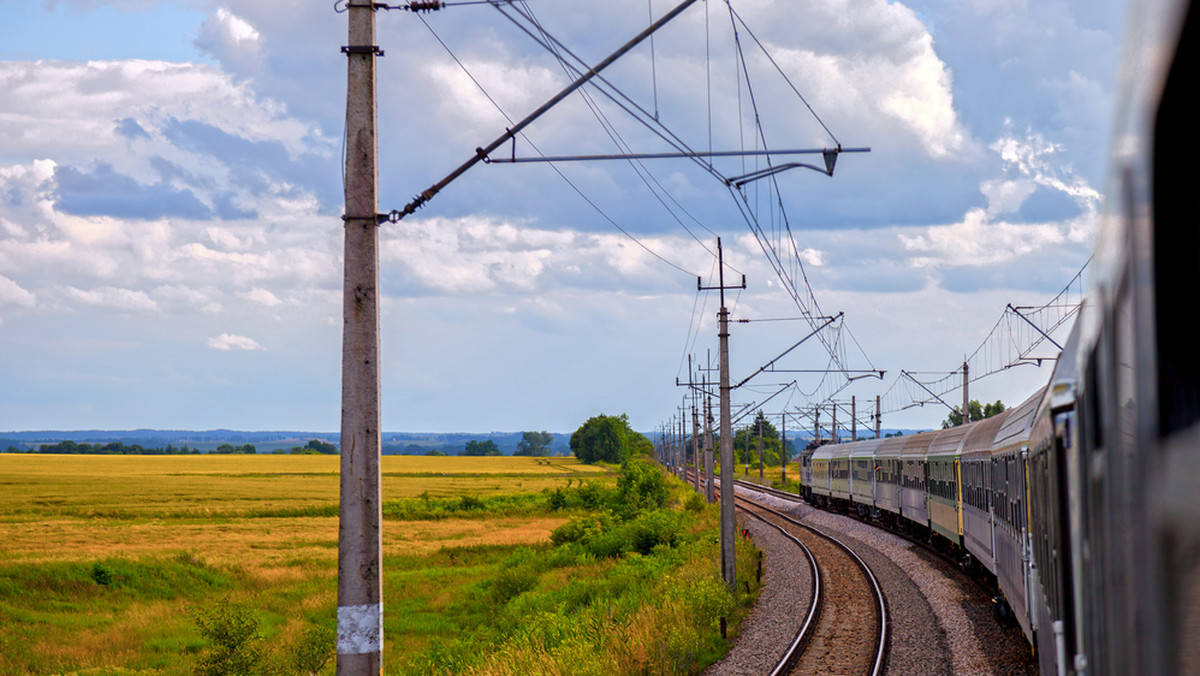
170 202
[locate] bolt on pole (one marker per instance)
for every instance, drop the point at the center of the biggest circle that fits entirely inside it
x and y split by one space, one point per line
360 581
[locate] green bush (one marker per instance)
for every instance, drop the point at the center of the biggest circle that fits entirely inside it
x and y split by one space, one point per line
641 486
234 643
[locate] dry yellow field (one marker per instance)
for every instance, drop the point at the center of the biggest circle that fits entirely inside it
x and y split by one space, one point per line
234 485
195 528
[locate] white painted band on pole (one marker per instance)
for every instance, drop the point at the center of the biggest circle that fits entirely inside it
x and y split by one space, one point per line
360 629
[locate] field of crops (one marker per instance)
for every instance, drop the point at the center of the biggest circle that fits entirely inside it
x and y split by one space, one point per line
115 564
105 559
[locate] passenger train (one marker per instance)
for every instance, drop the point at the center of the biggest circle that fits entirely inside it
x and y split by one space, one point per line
1084 501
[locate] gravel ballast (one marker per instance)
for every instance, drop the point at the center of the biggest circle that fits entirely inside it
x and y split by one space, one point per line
941 621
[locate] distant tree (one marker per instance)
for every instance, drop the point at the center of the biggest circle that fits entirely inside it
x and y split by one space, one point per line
605 438
978 412
322 447
487 447
535 443
434 452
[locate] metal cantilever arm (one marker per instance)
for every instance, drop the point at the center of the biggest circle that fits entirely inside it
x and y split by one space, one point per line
830 160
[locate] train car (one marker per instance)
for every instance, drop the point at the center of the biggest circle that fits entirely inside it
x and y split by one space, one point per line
914 506
888 466
1056 563
943 462
806 473
863 479
975 493
1010 515
1134 512
821 474
839 473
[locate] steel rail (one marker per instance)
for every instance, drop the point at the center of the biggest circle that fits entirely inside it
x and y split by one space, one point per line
878 661
803 635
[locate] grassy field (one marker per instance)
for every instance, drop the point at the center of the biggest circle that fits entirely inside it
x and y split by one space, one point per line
178 532
108 564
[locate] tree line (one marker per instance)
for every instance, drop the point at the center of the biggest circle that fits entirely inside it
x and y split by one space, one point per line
313 447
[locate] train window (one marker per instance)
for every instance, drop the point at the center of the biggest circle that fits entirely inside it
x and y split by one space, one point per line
1176 239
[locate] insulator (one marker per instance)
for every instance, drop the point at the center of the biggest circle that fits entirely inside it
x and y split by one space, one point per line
425 5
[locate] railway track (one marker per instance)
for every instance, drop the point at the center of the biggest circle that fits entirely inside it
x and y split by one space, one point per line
815 596
850 631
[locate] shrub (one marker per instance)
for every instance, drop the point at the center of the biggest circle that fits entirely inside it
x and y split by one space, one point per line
641 486
235 646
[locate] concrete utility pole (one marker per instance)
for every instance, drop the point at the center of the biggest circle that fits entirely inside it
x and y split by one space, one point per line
878 418
746 453
783 454
966 409
853 418
681 451
710 484
360 579
728 563
760 446
695 446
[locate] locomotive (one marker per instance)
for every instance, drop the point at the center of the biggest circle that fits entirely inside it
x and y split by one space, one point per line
1083 500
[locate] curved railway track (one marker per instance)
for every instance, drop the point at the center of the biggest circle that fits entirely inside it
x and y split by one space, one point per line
802 636
850 632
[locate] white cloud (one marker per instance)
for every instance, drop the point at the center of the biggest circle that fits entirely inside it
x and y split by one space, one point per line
1005 196
11 293
976 241
110 298
1036 158
229 341
262 297
870 67
231 39
517 89
813 257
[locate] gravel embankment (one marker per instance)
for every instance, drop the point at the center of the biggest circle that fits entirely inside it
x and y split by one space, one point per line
782 605
941 621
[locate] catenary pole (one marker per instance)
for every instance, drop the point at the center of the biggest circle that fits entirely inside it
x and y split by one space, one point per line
783 454
760 446
966 409
710 489
728 563
360 582
695 447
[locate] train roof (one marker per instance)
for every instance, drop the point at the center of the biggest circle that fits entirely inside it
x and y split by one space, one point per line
865 448
980 438
947 441
1015 428
891 447
826 451
1061 392
918 444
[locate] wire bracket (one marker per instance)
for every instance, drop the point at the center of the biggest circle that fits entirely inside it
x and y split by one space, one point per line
362 49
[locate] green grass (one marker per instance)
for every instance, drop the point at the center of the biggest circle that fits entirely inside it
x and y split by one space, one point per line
106 562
